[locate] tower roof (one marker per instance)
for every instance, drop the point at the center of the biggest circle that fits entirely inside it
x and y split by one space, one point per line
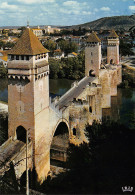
113 34
28 44
93 38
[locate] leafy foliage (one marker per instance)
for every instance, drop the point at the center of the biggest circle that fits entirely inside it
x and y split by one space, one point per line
103 166
8 45
125 49
67 46
70 68
3 128
3 71
50 45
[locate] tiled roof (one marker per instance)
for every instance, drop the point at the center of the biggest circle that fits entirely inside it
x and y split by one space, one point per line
37 29
28 44
5 58
4 55
57 50
93 38
113 34
75 54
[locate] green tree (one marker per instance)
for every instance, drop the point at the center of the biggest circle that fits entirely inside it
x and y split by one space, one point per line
9 45
67 46
1 43
103 166
125 48
54 68
70 68
50 45
3 71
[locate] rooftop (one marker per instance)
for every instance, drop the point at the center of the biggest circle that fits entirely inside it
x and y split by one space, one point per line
28 44
113 34
93 38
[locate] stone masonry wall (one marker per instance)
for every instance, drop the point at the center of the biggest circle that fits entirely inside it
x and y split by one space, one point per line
92 59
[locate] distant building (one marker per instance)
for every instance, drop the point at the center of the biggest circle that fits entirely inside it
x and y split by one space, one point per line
58 54
15 31
49 29
73 54
38 32
76 39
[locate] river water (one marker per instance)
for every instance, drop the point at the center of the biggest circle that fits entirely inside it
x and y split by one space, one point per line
122 109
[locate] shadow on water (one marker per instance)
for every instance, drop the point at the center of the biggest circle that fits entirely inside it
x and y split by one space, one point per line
59 86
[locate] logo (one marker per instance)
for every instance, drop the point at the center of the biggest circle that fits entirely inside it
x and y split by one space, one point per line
127 189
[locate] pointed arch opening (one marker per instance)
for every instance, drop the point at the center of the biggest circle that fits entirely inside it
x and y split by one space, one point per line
59 145
21 133
91 73
111 61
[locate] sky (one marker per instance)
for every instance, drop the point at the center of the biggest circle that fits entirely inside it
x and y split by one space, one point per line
60 12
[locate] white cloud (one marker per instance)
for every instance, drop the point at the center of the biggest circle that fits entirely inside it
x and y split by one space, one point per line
95 10
132 7
74 4
2 12
36 1
105 8
66 11
70 3
5 5
86 13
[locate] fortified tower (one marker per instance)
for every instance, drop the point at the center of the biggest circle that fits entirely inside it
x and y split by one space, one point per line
113 48
28 95
92 55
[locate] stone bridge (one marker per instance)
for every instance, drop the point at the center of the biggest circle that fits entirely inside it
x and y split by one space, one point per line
53 123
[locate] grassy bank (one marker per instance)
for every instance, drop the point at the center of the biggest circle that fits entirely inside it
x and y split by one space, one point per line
128 75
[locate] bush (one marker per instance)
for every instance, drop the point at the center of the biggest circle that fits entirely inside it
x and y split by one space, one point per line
3 71
69 68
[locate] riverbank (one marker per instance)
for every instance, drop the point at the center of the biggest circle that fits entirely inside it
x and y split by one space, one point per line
128 69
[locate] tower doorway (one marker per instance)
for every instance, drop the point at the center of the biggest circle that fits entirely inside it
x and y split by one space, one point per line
91 73
21 134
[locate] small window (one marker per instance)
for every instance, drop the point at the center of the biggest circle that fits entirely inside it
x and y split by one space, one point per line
90 109
27 57
74 131
91 61
91 54
22 57
12 57
17 57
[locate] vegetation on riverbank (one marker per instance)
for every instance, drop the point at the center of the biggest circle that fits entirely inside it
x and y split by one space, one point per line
69 68
65 46
128 76
3 71
3 128
125 48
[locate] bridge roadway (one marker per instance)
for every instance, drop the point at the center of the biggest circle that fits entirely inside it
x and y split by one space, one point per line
74 92
7 152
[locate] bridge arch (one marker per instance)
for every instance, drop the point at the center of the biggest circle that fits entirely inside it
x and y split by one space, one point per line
60 141
58 123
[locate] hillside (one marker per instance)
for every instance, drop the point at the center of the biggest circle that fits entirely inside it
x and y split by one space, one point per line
114 22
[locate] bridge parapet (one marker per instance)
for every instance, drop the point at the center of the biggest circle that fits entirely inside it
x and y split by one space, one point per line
79 102
55 107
